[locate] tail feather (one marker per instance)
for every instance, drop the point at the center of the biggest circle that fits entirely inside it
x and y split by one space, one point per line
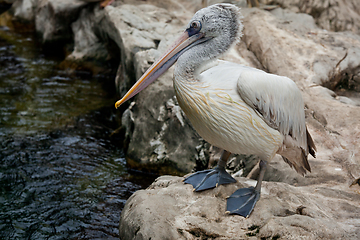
296 157
301 169
311 144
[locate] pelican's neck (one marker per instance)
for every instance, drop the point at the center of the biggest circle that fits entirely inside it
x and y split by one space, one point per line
190 63
221 27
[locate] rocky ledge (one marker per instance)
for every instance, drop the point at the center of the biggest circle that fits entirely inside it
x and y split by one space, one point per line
168 209
315 43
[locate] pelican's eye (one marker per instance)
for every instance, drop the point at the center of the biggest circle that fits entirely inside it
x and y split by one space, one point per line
196 25
194 28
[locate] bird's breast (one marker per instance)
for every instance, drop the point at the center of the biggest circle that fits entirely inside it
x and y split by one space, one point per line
220 116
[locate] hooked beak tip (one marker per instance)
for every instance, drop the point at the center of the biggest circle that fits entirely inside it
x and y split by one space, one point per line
117 104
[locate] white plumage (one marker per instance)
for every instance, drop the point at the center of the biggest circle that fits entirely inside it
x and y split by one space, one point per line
220 115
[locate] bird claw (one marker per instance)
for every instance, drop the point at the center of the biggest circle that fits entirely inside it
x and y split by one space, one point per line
207 179
242 201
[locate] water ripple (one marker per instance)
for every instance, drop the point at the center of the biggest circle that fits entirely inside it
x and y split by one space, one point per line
61 174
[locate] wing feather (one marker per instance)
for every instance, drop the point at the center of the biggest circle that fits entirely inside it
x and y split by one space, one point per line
279 102
277 99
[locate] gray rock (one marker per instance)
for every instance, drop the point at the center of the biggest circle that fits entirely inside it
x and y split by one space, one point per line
168 209
24 10
334 15
136 29
53 18
88 45
294 40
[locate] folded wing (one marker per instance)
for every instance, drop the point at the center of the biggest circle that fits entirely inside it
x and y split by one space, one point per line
279 102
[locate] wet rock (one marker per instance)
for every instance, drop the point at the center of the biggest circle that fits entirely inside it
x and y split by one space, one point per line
87 45
283 212
24 10
92 50
54 17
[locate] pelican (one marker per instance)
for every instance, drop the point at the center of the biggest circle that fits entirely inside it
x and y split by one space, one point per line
234 107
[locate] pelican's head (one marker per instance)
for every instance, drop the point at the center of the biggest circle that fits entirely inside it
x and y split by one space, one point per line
219 21
215 28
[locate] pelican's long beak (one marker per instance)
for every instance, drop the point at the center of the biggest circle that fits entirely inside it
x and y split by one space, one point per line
161 65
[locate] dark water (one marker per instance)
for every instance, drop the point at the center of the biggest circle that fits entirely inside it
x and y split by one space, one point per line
62 173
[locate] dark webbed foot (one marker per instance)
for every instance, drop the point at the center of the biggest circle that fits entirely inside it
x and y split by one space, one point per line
242 201
213 177
209 178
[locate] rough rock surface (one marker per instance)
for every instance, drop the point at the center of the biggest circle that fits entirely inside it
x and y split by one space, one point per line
168 209
24 10
53 18
334 15
87 45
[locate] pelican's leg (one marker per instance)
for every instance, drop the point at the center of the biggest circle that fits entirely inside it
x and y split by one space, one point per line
211 178
243 200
